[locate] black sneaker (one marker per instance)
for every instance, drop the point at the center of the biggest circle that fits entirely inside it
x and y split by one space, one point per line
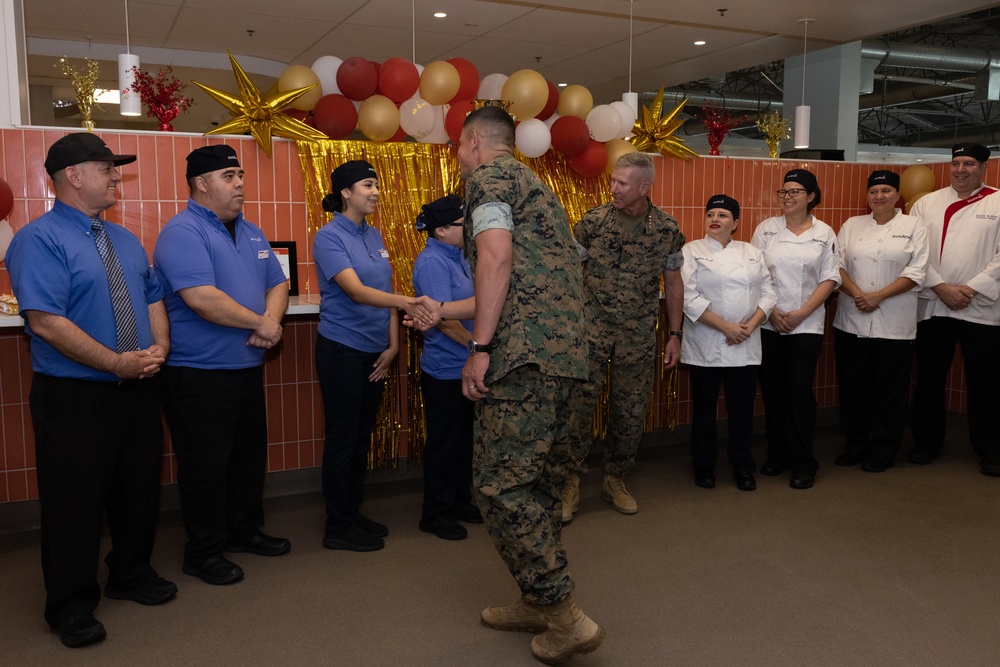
80 630
353 538
151 592
444 527
371 527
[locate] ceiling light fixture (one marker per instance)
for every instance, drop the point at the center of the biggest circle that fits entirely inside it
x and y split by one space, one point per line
700 42
131 103
802 112
440 15
630 98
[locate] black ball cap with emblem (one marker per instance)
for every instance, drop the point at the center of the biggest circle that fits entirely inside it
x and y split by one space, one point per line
211 158
78 148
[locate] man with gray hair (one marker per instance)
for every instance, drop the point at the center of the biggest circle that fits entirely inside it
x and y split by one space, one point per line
625 246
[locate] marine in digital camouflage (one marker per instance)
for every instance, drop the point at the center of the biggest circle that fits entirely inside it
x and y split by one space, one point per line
621 302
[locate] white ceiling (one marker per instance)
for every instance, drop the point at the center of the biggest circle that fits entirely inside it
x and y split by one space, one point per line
573 41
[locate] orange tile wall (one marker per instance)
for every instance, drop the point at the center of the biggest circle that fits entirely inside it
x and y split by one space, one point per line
153 190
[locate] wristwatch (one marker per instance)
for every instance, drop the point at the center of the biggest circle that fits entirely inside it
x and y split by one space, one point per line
678 334
479 347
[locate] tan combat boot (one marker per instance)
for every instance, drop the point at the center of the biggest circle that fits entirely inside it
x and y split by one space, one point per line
570 633
570 497
522 616
615 493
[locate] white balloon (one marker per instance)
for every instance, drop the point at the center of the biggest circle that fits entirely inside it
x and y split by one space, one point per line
416 117
326 68
532 137
6 236
491 87
628 117
420 68
438 135
551 119
604 123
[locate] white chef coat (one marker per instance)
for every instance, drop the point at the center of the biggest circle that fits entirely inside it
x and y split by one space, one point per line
971 255
798 264
874 256
732 282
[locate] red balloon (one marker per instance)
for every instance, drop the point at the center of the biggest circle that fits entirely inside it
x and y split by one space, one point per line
551 104
357 78
591 161
6 199
399 136
297 114
398 80
469 77
455 118
335 116
570 135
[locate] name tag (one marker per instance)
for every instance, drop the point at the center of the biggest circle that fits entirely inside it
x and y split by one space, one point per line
384 253
262 254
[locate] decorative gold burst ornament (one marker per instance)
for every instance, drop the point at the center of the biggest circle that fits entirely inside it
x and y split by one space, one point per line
83 86
260 115
656 131
774 127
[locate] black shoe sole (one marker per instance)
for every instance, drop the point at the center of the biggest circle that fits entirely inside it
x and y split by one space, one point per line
334 543
243 549
77 642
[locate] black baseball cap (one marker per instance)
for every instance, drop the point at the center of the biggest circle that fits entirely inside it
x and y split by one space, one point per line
211 158
803 177
439 213
81 147
725 202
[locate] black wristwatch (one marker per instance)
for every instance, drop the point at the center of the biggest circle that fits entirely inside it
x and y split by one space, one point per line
677 334
479 347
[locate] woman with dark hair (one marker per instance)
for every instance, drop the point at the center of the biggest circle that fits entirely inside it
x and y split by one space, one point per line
356 347
727 296
801 254
442 273
883 262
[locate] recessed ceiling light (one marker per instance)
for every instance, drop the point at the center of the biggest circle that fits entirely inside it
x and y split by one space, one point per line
563 85
439 15
700 42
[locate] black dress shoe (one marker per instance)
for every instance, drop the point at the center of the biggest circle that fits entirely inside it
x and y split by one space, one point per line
848 459
989 469
151 592
260 544
371 527
744 480
353 538
215 570
876 465
704 478
466 512
923 456
802 480
80 630
444 527
772 469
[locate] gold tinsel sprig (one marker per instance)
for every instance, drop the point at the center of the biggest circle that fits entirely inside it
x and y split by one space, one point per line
774 127
84 84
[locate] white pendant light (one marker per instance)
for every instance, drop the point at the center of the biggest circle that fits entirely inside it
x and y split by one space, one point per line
131 103
630 98
803 112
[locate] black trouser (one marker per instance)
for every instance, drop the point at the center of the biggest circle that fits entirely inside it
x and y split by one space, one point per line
350 405
935 347
787 374
218 426
741 386
873 376
98 447
448 448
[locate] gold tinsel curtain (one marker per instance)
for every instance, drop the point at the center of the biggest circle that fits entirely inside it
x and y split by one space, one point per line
411 175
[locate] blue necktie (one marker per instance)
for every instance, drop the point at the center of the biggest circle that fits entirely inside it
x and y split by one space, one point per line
128 338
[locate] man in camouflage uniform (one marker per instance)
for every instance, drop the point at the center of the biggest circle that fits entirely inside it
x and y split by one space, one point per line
625 246
527 353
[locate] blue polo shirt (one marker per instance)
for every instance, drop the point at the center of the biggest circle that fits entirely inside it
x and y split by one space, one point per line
194 249
55 268
442 273
340 244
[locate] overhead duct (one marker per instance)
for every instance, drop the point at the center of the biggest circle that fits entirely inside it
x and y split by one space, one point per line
919 56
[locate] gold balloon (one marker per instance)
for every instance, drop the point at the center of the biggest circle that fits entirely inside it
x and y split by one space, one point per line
527 91
300 76
575 101
915 179
378 118
617 148
439 82
260 115
655 131
913 200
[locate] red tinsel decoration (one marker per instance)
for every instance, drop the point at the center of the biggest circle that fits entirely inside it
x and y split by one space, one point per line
162 95
718 122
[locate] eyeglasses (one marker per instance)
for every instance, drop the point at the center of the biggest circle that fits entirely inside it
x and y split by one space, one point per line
794 192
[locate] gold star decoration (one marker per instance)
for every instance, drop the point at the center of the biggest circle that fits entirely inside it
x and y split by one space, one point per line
260 115
656 131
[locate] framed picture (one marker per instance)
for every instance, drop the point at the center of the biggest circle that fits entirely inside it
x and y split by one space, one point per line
285 252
